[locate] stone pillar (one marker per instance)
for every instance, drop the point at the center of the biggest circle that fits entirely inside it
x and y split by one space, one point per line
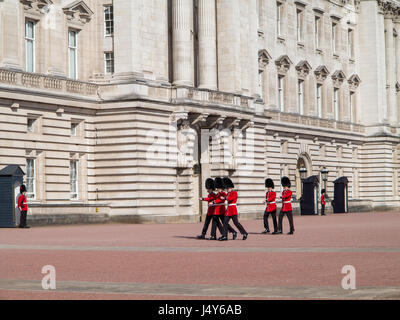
397 53
11 26
182 42
229 64
390 71
207 45
128 39
253 48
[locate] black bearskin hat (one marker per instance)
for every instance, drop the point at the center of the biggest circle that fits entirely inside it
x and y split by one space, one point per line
210 184
218 183
22 188
323 191
285 182
269 183
227 183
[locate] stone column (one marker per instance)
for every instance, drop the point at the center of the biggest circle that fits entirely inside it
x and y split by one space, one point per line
182 42
128 39
390 71
397 53
253 48
228 26
11 26
207 45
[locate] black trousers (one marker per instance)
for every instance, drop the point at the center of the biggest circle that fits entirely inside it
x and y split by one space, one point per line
22 220
323 209
235 222
289 214
273 215
218 222
206 224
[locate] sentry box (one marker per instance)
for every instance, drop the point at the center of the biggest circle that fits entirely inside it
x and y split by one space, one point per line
340 198
309 198
11 178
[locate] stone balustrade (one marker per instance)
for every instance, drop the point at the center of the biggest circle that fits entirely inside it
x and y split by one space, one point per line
48 83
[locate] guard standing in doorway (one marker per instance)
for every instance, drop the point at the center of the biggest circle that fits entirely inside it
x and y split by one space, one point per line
210 212
219 203
286 205
23 207
271 206
232 212
323 202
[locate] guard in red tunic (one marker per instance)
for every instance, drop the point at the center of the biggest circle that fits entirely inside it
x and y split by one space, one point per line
323 202
271 206
210 212
219 213
231 212
286 205
23 207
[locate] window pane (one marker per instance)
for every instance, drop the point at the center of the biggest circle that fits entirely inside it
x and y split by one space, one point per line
72 63
29 30
72 39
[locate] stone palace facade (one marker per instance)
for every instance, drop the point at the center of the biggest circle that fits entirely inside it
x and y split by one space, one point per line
125 107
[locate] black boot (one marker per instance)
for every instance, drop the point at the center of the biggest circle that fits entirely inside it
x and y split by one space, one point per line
278 232
203 236
223 238
245 236
291 232
265 231
234 233
213 238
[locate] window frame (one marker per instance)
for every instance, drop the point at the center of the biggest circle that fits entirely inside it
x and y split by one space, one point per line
281 92
76 181
336 106
31 195
318 97
75 50
105 63
111 7
33 41
300 96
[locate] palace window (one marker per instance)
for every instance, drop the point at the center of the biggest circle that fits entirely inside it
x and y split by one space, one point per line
108 20
300 96
319 100
30 45
73 53
336 103
281 92
30 178
334 37
352 109
299 24
279 14
317 30
109 62
73 174
350 46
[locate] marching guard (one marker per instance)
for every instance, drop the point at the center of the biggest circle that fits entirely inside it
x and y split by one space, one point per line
231 212
286 205
210 212
271 206
219 213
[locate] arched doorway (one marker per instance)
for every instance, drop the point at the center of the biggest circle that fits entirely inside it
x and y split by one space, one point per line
303 170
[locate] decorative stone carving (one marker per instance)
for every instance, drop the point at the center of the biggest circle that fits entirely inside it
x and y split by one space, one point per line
390 8
38 6
78 11
263 59
321 73
283 64
338 77
303 69
354 81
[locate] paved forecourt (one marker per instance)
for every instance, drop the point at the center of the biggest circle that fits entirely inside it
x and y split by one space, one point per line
122 261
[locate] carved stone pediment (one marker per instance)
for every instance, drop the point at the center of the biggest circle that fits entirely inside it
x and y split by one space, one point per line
321 73
338 77
283 63
38 6
78 11
303 69
354 81
263 59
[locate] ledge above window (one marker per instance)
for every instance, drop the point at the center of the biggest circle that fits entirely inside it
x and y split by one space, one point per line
281 39
319 51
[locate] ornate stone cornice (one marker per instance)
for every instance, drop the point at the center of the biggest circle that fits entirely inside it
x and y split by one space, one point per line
78 11
263 59
354 81
303 69
390 8
338 77
283 64
37 6
321 73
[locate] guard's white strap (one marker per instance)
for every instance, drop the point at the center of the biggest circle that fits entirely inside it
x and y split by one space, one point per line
271 202
287 201
233 204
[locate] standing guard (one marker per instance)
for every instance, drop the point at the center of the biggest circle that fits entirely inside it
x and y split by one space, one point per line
286 205
210 212
323 202
271 206
23 207
232 212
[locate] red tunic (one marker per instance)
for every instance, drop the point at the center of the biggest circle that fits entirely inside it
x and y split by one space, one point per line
286 200
271 197
22 203
323 202
220 204
232 200
210 198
